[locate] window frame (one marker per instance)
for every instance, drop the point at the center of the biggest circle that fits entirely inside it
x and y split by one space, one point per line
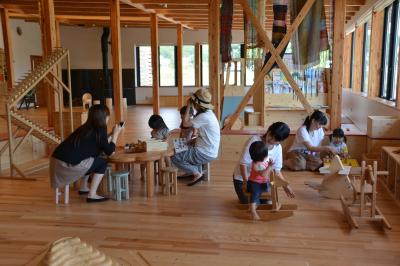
388 92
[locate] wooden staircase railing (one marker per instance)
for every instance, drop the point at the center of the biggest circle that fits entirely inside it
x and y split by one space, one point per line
15 119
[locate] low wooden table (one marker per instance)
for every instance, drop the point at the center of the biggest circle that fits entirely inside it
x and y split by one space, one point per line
147 158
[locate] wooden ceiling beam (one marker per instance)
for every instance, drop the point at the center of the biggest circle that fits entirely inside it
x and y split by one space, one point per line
151 11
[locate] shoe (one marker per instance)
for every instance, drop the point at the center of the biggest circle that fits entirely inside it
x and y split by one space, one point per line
82 192
185 176
90 200
201 178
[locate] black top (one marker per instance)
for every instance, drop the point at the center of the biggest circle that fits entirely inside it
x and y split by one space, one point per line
87 147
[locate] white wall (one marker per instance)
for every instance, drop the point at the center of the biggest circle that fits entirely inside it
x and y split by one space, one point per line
29 43
358 108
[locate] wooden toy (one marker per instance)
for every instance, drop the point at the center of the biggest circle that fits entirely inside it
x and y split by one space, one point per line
363 207
336 182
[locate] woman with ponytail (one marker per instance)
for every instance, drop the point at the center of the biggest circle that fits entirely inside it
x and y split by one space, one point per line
304 154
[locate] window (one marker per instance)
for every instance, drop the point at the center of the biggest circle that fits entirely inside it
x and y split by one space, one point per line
188 67
236 54
167 65
145 75
390 52
204 65
366 52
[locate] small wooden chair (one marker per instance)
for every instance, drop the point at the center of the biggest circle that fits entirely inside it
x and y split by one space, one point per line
363 207
59 192
120 184
169 180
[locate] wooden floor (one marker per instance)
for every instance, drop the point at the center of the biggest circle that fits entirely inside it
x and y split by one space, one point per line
202 225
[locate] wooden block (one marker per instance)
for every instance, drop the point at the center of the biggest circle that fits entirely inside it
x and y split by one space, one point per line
375 145
387 127
252 118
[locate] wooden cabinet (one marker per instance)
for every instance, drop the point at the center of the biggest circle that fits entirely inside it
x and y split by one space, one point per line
390 161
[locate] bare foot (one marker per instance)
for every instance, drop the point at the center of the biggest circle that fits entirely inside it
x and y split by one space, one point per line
255 216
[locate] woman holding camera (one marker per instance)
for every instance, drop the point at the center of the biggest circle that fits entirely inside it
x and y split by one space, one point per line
79 154
207 138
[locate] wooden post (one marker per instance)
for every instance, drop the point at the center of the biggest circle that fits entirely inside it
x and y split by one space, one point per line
8 50
213 52
375 53
154 63
197 65
116 58
358 58
337 70
48 26
179 42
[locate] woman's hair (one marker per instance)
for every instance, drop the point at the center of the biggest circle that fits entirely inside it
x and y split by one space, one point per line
258 151
338 133
96 122
156 122
278 130
318 116
200 109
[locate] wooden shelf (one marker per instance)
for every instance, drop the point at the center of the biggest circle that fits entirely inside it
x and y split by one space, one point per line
390 161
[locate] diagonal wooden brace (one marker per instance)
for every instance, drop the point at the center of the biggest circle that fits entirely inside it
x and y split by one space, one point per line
267 67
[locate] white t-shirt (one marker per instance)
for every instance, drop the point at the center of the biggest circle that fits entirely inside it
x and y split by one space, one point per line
314 138
275 154
209 133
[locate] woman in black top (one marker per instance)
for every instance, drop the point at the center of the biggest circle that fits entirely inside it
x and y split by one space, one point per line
78 155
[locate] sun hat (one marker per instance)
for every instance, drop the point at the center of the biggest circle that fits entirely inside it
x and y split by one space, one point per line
203 98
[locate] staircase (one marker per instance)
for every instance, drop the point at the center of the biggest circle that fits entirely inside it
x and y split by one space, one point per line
10 100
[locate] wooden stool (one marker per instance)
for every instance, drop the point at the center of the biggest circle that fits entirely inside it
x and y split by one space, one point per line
169 180
109 178
207 169
58 193
120 184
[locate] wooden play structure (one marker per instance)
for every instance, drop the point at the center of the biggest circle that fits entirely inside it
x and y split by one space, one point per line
336 183
269 107
275 209
20 124
363 206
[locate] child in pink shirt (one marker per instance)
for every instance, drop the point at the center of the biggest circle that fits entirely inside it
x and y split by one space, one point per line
259 176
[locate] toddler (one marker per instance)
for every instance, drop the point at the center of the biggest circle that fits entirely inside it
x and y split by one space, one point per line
338 142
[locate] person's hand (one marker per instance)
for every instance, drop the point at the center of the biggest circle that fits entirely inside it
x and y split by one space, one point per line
331 150
116 130
189 102
289 192
244 186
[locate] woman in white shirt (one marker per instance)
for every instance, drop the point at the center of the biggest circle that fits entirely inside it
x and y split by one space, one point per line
275 134
304 154
208 132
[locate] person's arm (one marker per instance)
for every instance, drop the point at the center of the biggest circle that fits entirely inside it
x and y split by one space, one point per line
187 121
281 181
312 148
109 147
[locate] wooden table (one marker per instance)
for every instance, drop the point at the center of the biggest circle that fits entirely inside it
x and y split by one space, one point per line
147 158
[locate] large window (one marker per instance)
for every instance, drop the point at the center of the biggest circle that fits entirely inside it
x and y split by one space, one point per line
167 66
188 65
204 65
366 52
390 52
145 76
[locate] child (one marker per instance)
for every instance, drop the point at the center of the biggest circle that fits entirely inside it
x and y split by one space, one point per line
338 142
160 130
259 175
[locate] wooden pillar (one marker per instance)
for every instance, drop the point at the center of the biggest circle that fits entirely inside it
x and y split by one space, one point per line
5 23
337 70
116 58
49 36
154 63
375 53
358 58
347 60
197 64
214 57
179 42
